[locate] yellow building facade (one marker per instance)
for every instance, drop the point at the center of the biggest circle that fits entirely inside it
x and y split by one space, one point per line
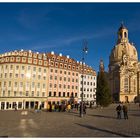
31 80
124 69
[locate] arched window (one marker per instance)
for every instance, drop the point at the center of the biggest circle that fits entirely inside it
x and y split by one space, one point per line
125 34
126 84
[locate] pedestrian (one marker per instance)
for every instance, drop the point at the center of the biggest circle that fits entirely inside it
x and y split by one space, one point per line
118 109
125 110
69 107
15 107
84 108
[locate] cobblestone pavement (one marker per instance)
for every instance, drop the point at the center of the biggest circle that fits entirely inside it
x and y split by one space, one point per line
96 123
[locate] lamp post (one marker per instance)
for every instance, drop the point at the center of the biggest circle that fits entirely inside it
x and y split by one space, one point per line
85 50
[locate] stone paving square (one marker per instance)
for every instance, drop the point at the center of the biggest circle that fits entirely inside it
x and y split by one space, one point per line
96 123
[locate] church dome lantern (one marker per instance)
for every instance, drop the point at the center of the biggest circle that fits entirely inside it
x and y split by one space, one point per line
123 48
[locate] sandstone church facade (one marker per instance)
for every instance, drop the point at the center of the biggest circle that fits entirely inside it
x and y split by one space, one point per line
124 69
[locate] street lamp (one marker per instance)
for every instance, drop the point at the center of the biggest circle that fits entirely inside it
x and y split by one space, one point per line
85 50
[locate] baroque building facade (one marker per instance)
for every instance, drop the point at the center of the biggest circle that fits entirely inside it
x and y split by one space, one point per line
29 79
124 69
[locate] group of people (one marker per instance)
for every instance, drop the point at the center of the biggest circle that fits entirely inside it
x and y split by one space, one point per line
62 107
121 109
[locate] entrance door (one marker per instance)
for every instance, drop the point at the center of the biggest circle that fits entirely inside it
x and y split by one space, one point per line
32 105
2 105
27 105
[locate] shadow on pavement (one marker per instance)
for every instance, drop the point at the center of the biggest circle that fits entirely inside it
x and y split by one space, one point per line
101 116
103 130
136 115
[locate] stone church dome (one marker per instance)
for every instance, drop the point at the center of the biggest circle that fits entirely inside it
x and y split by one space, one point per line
123 49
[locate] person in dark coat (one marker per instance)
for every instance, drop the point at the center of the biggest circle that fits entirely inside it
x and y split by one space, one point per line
125 110
118 109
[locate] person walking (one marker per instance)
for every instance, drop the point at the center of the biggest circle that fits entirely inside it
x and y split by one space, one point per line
125 112
118 109
69 107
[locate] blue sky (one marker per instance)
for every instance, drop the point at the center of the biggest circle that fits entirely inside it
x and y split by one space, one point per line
62 27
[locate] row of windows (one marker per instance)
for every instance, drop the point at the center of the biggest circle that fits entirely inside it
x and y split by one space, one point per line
65 65
63 86
22 84
24 60
17 67
11 75
65 72
32 94
88 77
62 60
63 94
63 78
88 90
88 83
89 96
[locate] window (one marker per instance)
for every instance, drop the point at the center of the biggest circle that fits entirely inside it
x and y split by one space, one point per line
50 85
59 85
29 67
55 77
9 83
54 94
15 93
39 77
38 85
5 75
51 77
65 72
43 94
23 67
21 84
16 75
8 92
60 78
64 86
27 93
44 77
59 94
75 94
33 85
72 94
44 86
51 70
37 93
63 94
60 71
16 84
32 93
55 85
126 84
11 67
44 70
64 78
17 67
68 94
125 34
50 93
55 71
39 70
34 69
20 93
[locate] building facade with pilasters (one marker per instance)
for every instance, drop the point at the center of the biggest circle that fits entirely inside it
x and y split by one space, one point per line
29 80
